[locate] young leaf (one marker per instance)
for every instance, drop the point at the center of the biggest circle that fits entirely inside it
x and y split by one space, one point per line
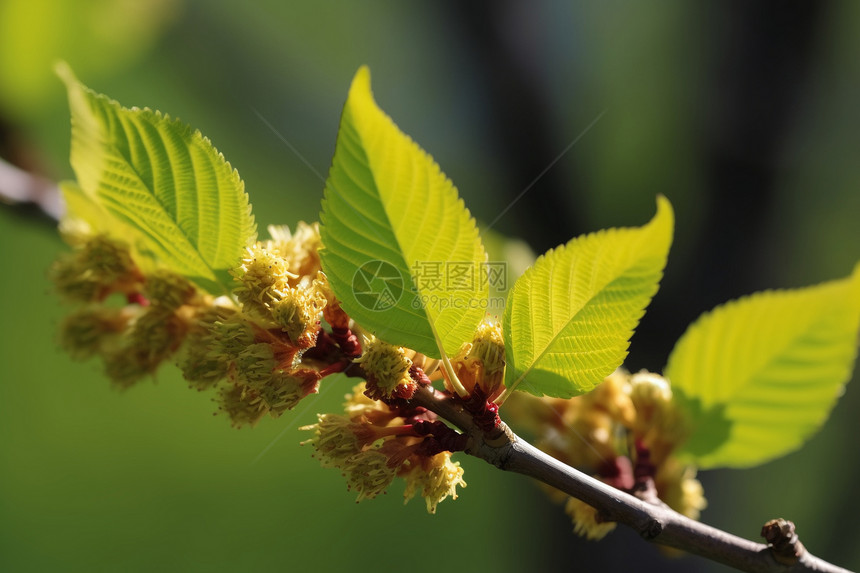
569 318
400 250
169 188
80 208
759 375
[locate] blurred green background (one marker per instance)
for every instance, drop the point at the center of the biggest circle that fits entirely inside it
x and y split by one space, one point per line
744 114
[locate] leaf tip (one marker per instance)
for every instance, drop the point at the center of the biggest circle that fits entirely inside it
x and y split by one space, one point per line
855 274
361 83
64 72
665 211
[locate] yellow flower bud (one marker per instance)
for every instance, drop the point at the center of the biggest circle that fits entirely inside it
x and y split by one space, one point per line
108 259
436 478
387 370
123 369
285 390
216 339
168 290
101 265
151 338
359 407
85 332
369 474
651 395
678 487
357 403
201 371
335 440
586 441
255 364
488 345
613 397
658 424
297 312
262 273
481 363
300 249
242 405
154 336
585 431
74 281
227 338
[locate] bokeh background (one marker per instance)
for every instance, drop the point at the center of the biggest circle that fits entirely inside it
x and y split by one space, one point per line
744 114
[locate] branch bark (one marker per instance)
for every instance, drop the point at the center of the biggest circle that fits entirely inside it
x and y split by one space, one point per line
21 187
655 523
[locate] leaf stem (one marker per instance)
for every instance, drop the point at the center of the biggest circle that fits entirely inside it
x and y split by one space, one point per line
504 396
452 376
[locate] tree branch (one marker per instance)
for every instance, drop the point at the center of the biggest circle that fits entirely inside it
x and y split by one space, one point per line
655 523
21 187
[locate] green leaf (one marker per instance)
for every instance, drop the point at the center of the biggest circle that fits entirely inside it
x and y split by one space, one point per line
163 182
569 318
81 209
759 375
400 250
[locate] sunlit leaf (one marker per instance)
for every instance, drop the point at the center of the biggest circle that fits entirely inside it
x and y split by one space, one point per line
400 250
569 319
165 183
759 375
82 213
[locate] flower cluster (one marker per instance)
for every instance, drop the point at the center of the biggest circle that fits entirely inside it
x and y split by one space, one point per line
264 348
258 350
481 363
377 441
383 436
624 432
134 321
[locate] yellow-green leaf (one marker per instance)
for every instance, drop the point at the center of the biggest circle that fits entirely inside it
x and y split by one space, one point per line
400 250
84 214
759 375
163 182
569 318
